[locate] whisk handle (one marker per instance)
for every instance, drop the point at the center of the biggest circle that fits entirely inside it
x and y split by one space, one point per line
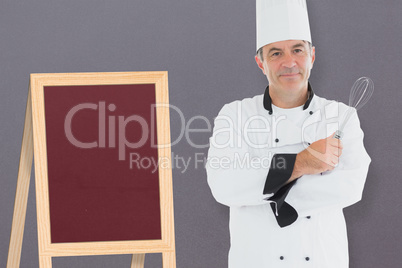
338 135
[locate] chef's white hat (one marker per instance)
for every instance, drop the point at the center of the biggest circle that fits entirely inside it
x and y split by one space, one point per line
279 20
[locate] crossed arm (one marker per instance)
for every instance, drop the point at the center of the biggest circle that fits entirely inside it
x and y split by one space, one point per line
321 156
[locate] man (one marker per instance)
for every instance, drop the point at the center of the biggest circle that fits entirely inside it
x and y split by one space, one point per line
274 161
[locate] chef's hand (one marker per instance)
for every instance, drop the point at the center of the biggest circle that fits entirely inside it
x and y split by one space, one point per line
322 155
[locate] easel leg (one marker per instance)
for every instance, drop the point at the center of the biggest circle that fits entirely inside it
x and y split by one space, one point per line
21 194
138 261
169 259
45 262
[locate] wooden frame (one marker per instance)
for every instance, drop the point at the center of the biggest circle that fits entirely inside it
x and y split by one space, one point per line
166 245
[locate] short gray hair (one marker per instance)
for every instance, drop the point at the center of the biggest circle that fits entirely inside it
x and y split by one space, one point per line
259 54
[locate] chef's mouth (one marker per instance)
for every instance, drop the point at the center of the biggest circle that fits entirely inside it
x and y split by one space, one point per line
289 74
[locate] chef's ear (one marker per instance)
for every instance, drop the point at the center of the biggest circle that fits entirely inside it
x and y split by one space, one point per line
312 56
259 63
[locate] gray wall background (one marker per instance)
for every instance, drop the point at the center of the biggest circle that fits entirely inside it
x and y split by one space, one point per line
208 48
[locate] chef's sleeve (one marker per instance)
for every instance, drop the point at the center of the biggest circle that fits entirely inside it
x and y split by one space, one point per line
339 188
232 177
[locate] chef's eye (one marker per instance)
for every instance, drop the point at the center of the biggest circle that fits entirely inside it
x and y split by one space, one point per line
276 54
298 51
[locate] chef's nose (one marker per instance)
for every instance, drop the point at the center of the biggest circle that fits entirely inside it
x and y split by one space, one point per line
289 60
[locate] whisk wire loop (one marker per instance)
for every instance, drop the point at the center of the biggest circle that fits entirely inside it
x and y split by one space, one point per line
361 92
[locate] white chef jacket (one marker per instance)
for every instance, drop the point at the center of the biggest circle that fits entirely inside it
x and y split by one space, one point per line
245 139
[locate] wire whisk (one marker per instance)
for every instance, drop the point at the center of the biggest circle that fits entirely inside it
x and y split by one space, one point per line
361 92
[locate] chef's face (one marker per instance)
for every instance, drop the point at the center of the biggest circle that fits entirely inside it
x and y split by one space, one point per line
287 65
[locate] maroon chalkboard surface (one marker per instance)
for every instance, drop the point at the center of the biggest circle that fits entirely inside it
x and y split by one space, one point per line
98 188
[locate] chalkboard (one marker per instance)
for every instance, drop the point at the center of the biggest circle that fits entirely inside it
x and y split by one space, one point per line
94 195
102 164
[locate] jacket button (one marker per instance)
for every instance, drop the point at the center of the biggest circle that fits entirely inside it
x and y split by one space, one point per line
281 257
276 140
311 112
307 258
308 217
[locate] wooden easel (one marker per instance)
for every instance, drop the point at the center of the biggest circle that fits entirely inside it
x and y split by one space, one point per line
166 246
21 195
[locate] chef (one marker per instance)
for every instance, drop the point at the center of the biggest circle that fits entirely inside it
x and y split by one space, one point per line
274 161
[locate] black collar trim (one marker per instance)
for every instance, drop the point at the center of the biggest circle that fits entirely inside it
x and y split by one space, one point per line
268 101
